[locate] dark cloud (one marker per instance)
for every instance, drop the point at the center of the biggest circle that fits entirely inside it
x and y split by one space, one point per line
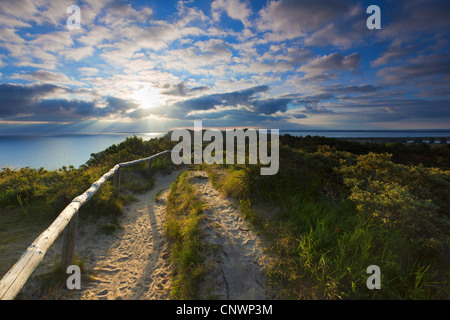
338 88
298 115
242 106
327 67
181 89
311 103
423 67
417 55
270 106
241 117
333 62
315 108
396 53
313 98
293 18
118 106
37 102
15 98
410 20
61 110
208 102
375 109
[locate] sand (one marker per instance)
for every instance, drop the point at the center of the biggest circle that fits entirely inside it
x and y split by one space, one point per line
136 266
237 261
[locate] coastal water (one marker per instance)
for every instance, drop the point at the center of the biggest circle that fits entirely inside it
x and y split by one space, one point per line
55 151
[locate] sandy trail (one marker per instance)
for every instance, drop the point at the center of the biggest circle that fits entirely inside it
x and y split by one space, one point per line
136 266
134 262
236 260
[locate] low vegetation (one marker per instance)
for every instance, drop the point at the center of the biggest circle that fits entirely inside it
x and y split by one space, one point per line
343 207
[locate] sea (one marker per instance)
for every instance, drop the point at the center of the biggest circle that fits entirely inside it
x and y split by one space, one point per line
55 151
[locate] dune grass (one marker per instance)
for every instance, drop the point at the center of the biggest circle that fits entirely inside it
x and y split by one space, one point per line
340 212
184 215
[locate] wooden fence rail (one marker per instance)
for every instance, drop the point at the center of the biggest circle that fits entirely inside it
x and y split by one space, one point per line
16 277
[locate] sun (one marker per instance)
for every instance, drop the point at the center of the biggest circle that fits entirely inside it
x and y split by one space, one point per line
147 97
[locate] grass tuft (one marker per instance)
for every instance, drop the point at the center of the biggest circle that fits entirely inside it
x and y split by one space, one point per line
184 215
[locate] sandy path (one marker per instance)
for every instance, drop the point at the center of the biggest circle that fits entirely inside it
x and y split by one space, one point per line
134 262
136 265
236 260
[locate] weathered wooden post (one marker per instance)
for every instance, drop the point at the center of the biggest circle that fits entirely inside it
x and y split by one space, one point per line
168 157
69 242
117 181
149 168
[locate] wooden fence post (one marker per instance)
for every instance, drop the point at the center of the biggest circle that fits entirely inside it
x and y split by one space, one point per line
69 242
149 168
117 181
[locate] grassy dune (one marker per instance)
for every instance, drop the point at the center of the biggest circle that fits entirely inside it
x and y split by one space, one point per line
338 207
340 211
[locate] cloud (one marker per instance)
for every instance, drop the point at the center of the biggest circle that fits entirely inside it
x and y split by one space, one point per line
77 54
15 98
96 36
341 35
208 102
9 35
243 106
47 77
37 102
52 41
411 20
315 108
88 71
235 9
421 69
289 19
27 9
119 13
333 62
12 22
326 67
364 88
118 106
61 109
395 53
270 106
181 89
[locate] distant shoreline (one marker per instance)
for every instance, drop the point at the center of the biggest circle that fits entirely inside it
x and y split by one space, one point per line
53 151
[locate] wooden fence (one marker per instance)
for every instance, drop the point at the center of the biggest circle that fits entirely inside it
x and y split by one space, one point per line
16 277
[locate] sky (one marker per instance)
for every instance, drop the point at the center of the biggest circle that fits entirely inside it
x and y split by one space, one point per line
152 66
